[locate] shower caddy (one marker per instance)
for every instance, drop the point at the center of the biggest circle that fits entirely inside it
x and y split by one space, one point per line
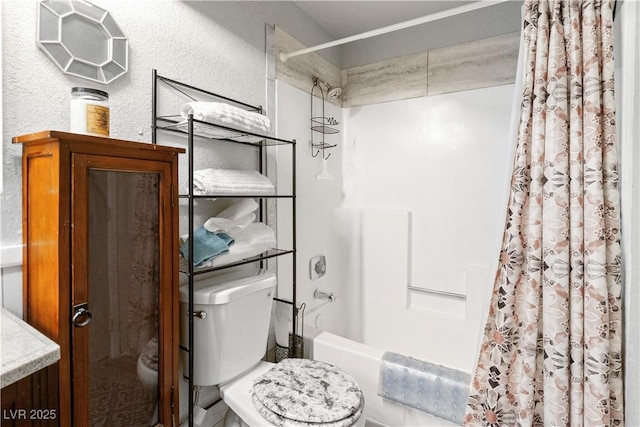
321 124
169 123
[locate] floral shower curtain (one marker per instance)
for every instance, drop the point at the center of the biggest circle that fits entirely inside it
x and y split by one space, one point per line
551 351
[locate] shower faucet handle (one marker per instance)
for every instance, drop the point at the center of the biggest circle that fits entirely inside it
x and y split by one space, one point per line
317 267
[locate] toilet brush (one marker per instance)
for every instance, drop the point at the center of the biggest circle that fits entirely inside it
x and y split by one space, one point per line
198 412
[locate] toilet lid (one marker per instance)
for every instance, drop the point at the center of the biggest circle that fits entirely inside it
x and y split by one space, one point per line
279 420
300 391
149 354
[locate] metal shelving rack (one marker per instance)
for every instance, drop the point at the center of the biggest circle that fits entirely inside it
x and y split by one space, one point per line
175 124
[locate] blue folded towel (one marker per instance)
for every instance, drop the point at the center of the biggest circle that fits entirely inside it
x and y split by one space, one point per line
435 389
206 245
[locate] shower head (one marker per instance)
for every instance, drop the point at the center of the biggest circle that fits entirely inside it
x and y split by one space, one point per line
334 92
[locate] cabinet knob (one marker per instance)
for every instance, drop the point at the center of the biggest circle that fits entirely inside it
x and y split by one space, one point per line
81 315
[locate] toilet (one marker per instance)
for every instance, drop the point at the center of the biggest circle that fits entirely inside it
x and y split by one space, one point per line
230 339
147 370
147 366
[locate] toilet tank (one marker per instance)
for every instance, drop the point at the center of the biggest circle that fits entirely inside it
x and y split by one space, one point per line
232 337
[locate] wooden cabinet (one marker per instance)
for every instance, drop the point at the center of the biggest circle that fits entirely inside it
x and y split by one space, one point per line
100 228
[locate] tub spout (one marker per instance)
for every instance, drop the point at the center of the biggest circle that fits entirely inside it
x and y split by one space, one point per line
318 294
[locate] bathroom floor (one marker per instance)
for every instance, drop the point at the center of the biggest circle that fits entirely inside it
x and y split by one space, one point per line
117 398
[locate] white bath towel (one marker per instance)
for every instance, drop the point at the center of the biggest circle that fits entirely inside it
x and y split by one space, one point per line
207 131
229 226
220 113
239 209
231 181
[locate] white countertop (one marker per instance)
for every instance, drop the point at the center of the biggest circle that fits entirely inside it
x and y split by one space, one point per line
23 350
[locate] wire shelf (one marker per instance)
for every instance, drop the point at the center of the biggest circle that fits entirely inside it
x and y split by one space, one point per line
323 145
324 129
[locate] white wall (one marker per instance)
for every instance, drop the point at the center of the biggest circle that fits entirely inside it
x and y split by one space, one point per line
322 226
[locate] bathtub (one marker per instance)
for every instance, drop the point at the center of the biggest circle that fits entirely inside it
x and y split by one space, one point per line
363 363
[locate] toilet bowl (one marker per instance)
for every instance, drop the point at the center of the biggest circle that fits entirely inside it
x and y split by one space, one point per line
147 376
147 370
147 366
230 334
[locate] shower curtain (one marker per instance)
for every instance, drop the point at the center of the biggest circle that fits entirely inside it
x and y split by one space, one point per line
551 350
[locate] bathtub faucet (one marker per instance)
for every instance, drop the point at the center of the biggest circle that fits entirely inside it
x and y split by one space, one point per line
318 294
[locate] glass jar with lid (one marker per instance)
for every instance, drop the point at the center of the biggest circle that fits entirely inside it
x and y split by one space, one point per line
89 111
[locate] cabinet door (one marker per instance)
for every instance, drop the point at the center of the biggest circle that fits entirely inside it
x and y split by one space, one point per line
122 310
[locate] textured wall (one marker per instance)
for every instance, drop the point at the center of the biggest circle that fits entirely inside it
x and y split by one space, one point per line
216 45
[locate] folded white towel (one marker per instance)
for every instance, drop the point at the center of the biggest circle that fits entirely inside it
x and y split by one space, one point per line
239 209
220 113
231 181
256 233
207 131
228 226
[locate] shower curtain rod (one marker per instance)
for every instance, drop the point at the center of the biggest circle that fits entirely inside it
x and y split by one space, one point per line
394 27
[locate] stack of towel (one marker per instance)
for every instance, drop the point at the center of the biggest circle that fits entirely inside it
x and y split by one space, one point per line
206 245
230 236
231 181
223 114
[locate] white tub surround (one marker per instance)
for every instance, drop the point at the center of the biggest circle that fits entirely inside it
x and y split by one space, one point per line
24 350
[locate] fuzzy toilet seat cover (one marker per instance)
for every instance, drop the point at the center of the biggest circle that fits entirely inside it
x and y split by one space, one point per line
299 392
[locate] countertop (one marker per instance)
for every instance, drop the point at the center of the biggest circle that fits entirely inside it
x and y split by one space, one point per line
23 350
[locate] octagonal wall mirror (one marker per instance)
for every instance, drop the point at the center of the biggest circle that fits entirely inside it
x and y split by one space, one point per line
82 39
